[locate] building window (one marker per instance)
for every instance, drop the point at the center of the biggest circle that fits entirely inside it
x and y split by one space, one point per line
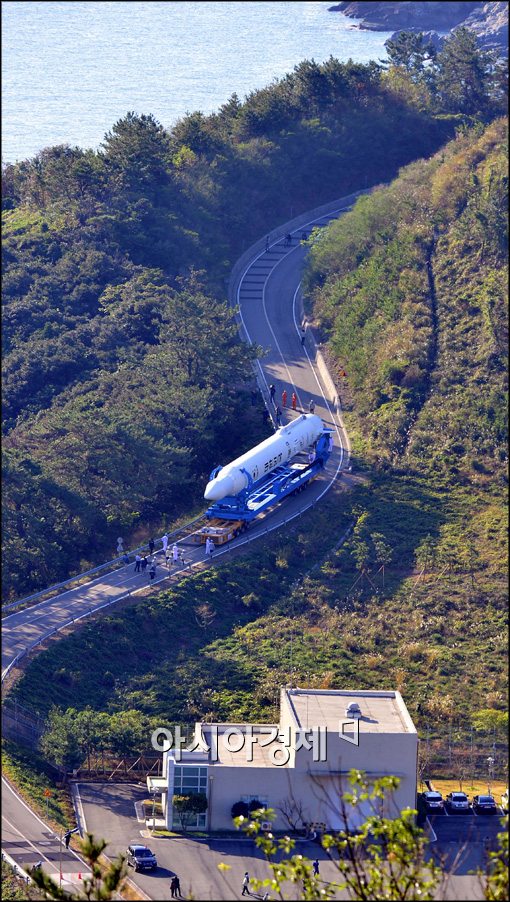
188 780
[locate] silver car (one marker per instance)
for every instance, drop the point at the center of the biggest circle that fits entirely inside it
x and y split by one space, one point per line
457 801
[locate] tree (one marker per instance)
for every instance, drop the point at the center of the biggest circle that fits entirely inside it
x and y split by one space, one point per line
463 75
383 551
60 743
239 809
187 806
103 884
490 720
292 811
495 880
385 858
137 153
426 553
409 51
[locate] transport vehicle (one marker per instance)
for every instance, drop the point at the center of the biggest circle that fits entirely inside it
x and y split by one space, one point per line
457 801
485 804
280 466
141 858
434 802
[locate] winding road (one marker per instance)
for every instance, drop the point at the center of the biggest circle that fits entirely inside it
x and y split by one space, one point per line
266 287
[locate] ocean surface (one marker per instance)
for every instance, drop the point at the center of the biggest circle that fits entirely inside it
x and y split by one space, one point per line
71 69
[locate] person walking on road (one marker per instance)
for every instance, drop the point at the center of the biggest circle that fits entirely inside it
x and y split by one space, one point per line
311 406
164 541
315 865
152 571
303 336
294 400
175 553
138 561
272 392
177 887
173 887
209 547
151 546
278 414
246 883
284 397
144 564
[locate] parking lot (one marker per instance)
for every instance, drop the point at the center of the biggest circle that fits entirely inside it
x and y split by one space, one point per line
462 841
112 812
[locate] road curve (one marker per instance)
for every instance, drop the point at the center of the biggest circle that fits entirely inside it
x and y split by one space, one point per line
267 291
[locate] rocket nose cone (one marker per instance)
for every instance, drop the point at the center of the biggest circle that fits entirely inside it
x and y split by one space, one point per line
211 491
219 488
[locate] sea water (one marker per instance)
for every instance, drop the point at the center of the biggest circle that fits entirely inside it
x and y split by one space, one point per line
71 69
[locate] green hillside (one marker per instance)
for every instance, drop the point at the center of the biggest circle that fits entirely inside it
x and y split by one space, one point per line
110 425
409 291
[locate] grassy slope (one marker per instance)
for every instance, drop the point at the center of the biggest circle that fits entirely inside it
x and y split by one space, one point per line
433 488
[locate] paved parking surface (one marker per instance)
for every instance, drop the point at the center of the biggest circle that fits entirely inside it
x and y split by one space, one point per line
109 811
112 811
461 846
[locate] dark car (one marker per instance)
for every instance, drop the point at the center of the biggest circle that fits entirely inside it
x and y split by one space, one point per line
457 801
433 801
141 858
485 805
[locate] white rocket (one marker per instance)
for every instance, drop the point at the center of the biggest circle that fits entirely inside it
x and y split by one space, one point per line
273 452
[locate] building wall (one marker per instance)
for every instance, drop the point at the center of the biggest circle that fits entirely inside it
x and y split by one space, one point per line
318 791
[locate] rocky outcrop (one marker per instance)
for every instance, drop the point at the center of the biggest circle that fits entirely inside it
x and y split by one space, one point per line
489 21
386 16
490 24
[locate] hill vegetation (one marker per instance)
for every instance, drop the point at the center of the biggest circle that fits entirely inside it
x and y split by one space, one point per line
123 378
410 290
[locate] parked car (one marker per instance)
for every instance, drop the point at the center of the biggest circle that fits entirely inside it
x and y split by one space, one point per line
485 804
433 801
457 801
141 858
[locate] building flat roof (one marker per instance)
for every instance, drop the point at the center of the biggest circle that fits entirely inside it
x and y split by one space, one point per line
263 753
381 712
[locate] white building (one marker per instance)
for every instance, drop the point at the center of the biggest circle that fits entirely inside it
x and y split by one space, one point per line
302 763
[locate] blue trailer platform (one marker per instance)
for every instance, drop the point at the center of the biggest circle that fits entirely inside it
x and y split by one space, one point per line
277 485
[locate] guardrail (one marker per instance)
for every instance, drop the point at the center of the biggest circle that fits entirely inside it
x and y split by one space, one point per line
108 566
18 870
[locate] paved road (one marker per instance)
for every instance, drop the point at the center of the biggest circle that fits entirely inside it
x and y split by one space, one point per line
111 809
271 312
270 304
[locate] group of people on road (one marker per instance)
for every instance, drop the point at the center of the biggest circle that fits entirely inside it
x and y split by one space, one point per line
287 240
278 409
175 887
173 557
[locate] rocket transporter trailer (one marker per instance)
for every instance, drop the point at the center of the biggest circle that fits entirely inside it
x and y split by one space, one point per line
264 476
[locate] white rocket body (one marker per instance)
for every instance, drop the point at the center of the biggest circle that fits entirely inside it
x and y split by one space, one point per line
259 461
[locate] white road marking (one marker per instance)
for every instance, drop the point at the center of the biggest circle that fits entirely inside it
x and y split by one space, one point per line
79 805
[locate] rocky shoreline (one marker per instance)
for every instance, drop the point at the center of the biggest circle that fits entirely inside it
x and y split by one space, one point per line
489 21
